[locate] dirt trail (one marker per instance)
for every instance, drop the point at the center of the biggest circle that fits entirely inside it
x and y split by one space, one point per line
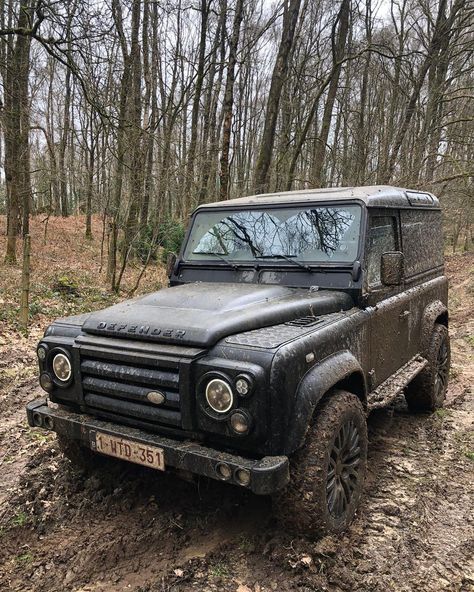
127 528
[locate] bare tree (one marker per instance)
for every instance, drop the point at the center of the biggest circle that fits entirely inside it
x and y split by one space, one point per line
290 18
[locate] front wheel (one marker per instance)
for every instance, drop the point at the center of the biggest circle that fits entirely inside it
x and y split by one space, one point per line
327 474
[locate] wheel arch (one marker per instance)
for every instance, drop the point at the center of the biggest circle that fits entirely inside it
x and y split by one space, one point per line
338 371
436 312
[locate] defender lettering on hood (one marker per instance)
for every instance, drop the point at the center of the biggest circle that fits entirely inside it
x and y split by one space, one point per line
116 328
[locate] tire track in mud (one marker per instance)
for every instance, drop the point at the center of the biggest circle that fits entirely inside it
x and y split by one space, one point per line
119 526
130 528
417 523
16 389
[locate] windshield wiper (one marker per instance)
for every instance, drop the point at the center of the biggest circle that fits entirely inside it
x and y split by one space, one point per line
290 258
231 263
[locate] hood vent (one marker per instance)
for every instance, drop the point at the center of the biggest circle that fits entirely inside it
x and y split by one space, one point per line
304 322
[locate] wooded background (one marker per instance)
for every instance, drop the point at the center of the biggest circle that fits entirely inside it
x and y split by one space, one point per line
138 110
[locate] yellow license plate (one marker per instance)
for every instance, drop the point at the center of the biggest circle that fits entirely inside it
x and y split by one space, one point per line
142 454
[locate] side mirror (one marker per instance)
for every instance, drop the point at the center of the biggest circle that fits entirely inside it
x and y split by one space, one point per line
170 263
392 268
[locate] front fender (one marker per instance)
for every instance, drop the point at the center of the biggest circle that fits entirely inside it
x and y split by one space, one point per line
432 312
315 383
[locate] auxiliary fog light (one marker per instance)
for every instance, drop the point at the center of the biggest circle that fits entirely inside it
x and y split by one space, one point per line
46 382
219 395
240 422
243 385
242 476
62 367
224 471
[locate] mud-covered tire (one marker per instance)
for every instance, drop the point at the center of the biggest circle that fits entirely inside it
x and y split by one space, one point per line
427 390
81 457
307 505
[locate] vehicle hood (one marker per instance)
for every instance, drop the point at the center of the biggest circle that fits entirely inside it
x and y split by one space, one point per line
203 313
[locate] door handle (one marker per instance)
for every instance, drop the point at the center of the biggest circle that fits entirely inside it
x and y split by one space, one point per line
404 315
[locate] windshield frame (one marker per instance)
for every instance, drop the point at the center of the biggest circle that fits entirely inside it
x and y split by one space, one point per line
277 262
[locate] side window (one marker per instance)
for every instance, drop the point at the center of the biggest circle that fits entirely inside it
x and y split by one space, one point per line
382 238
422 235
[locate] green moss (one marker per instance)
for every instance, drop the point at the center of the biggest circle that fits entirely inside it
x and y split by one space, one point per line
20 519
25 557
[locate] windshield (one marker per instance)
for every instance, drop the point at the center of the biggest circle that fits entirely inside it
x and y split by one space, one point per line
317 234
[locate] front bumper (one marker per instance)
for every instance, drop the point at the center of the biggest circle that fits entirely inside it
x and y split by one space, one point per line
267 475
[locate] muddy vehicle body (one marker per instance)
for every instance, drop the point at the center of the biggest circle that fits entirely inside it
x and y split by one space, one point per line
288 318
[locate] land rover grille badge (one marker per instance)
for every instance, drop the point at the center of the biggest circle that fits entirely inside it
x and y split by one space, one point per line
156 397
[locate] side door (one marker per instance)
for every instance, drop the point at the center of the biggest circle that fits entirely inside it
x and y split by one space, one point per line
387 306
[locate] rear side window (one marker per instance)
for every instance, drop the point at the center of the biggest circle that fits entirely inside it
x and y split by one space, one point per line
382 238
422 238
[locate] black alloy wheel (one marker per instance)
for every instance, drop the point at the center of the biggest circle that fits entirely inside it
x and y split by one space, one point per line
327 474
343 474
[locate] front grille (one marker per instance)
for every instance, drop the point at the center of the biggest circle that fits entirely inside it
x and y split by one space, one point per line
121 389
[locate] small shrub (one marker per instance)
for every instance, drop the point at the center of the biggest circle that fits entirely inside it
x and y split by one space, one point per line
219 570
443 413
145 243
169 236
65 284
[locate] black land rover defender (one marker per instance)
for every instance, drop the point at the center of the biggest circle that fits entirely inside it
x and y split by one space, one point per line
288 318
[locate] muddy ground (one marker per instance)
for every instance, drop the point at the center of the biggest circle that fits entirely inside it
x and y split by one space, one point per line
123 527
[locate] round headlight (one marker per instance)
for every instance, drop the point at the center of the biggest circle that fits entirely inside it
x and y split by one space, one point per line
62 367
219 395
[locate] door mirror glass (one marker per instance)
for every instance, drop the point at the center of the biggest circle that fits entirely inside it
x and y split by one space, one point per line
392 268
170 263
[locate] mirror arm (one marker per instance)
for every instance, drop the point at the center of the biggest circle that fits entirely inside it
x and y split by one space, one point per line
356 269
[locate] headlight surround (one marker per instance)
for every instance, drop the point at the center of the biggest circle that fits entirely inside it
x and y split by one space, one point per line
219 395
62 367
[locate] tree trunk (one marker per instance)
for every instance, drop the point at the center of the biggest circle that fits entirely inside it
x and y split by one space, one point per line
442 28
64 142
90 177
339 38
280 70
229 100
16 126
25 284
191 154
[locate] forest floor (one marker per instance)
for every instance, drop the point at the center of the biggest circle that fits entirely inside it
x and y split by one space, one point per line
128 528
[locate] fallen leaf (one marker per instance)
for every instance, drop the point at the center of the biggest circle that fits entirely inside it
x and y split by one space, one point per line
306 560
